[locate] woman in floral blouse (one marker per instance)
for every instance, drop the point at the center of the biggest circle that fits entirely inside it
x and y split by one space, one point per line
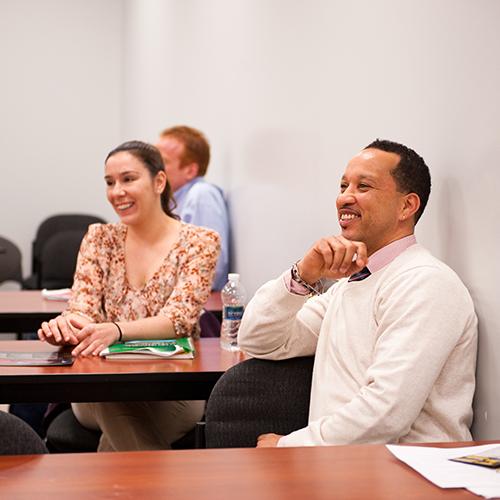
146 277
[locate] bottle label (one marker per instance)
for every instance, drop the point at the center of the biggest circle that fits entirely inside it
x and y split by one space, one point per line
233 312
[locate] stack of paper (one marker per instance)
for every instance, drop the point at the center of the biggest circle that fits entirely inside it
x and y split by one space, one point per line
59 294
435 465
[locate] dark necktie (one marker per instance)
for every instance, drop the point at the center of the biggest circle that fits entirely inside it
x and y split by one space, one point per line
361 275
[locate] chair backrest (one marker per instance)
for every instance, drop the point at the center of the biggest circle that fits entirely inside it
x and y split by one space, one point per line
18 438
49 228
58 259
256 397
10 261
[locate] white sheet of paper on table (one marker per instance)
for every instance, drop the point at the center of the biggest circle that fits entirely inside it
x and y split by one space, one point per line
63 294
435 466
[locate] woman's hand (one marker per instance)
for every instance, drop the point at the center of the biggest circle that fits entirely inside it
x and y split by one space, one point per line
95 337
60 330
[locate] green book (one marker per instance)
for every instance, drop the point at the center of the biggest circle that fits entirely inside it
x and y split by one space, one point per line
181 348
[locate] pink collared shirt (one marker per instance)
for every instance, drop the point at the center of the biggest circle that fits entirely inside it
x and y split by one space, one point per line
376 262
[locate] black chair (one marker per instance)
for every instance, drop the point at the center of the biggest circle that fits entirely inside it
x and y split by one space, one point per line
66 435
58 259
10 261
257 397
18 438
55 250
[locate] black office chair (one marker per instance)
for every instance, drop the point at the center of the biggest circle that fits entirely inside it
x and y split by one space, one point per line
10 261
257 397
55 250
58 257
18 438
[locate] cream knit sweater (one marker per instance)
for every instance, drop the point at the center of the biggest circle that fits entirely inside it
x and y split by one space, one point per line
395 354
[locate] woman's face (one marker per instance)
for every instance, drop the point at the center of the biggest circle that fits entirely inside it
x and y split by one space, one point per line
131 190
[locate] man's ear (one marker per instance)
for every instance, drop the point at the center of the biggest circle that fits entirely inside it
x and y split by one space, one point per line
190 171
411 204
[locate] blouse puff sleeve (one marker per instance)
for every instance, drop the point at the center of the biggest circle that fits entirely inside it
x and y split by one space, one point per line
197 262
87 290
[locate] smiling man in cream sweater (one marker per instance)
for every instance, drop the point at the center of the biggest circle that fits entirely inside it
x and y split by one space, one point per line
395 338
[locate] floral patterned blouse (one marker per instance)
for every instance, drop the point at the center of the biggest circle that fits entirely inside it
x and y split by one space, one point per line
178 289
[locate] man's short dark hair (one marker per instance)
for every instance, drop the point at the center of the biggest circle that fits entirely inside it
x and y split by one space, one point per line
411 174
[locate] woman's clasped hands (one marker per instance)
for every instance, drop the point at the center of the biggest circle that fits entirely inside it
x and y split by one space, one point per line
88 338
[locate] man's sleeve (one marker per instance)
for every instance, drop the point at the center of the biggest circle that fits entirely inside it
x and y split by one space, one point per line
279 324
420 320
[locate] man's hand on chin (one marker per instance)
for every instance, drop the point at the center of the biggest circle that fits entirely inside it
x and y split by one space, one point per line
268 440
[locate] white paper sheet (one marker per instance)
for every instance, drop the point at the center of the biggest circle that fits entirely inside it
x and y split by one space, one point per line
434 465
63 294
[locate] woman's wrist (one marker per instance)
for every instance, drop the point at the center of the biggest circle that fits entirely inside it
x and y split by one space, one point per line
120 332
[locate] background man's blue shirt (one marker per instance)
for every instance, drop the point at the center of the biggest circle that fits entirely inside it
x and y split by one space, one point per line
203 204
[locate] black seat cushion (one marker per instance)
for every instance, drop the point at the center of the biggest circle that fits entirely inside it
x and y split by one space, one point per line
256 397
66 435
18 438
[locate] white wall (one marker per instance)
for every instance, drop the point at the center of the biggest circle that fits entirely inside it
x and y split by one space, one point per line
287 91
60 102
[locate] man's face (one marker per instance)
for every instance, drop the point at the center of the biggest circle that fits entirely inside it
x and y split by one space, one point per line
172 152
369 205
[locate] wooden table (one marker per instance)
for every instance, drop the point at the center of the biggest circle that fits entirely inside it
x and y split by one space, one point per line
99 379
338 472
25 310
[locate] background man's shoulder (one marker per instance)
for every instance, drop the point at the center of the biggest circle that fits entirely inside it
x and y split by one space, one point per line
205 188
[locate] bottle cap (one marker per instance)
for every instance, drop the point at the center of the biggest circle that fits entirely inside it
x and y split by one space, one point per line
233 277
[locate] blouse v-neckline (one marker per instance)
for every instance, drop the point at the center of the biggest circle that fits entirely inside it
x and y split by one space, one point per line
154 276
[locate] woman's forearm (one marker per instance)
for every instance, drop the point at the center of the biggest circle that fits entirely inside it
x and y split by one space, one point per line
156 327
95 337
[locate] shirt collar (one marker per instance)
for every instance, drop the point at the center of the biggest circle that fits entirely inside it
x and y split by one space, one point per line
388 253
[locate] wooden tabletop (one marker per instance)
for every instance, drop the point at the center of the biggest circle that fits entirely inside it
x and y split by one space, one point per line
339 472
101 379
24 310
28 302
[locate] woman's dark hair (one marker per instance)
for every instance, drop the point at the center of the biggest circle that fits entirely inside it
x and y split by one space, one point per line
151 158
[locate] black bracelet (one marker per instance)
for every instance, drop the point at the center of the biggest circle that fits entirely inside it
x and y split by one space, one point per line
119 331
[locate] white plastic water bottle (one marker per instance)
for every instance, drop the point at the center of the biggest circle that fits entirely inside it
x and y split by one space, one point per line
233 305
